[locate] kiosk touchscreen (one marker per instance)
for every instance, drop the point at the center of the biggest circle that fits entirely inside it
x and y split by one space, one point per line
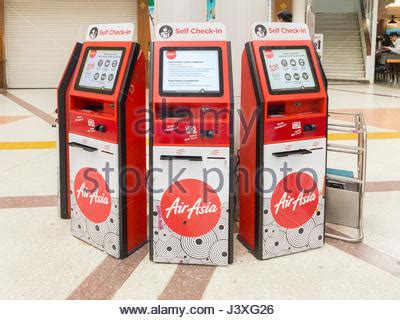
191 145
283 154
102 142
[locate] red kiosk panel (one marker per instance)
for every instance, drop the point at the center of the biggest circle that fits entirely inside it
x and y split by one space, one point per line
106 157
284 153
191 151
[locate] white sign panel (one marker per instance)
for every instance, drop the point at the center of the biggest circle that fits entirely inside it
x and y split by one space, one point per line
191 71
190 31
280 31
110 32
288 69
319 44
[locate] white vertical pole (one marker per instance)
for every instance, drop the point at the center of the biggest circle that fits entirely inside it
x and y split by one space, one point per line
299 11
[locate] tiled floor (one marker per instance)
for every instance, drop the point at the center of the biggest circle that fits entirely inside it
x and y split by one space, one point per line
40 259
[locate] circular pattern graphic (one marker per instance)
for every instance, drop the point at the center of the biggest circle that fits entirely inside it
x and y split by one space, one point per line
274 245
190 208
318 216
78 225
113 223
298 237
198 247
182 257
294 200
97 232
219 252
267 216
316 238
164 234
271 230
111 244
156 234
92 195
222 229
168 249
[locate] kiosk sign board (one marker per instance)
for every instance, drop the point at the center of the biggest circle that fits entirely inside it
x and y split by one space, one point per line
280 31
110 32
190 31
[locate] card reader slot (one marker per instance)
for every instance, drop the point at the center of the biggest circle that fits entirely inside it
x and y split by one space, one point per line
82 146
187 158
180 112
94 107
289 153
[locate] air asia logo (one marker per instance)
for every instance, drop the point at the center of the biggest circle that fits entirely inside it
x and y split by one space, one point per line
91 194
294 200
93 33
190 208
166 32
92 53
268 54
171 54
260 31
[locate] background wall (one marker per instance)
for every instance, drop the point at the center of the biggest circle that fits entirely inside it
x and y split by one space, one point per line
180 10
335 6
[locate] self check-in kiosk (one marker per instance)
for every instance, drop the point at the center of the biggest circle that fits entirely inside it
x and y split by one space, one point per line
283 146
191 99
101 109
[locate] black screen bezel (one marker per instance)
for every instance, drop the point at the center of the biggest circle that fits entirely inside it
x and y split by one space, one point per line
285 91
191 94
78 78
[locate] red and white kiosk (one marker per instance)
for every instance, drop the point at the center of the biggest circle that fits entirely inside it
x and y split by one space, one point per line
283 144
191 145
102 140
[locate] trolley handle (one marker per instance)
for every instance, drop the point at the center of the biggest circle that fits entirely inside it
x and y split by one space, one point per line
84 147
174 157
289 153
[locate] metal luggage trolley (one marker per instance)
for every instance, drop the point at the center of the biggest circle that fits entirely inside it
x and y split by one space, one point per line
345 193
